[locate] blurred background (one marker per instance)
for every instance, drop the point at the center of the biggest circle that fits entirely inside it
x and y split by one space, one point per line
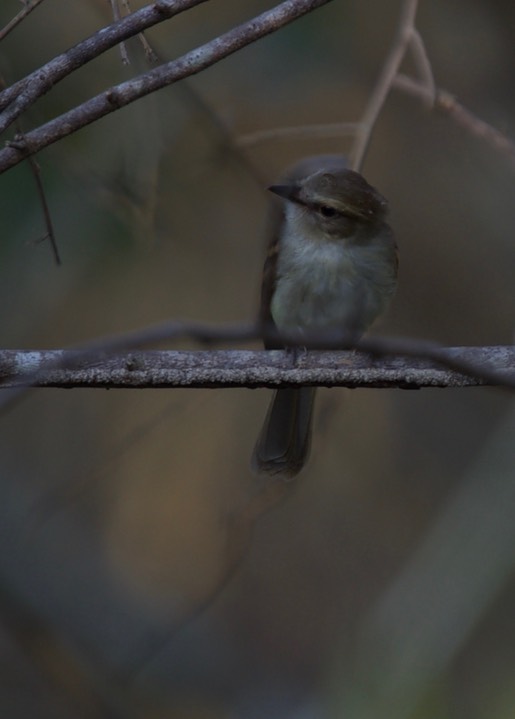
140 575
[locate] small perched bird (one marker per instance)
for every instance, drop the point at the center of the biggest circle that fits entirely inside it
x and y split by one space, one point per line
331 265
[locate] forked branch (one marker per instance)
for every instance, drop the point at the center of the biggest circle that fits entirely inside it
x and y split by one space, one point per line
20 96
405 32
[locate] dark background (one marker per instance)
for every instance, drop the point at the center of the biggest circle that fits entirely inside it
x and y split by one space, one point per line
383 586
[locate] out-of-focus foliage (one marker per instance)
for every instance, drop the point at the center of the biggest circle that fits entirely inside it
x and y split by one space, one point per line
383 586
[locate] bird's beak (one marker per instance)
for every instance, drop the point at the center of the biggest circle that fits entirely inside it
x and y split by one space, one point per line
289 192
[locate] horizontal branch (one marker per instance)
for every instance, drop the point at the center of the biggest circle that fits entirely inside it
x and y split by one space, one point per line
127 92
243 368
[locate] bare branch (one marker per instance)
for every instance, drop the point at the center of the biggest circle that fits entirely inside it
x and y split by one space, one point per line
464 118
252 369
384 83
36 173
25 92
423 88
151 56
424 69
29 7
50 234
116 16
209 335
120 95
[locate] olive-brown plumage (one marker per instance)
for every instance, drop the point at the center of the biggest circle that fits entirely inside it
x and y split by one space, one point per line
332 264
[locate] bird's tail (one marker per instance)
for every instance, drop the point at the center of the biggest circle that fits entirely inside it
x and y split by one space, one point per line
283 444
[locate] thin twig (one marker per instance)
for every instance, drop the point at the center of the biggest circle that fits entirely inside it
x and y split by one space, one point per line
151 56
167 74
116 16
423 65
25 92
50 234
150 53
305 132
29 7
36 173
384 83
464 118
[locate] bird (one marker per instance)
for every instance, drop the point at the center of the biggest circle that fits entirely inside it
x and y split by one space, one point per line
331 265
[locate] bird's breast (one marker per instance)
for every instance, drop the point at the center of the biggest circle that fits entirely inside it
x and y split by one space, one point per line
323 284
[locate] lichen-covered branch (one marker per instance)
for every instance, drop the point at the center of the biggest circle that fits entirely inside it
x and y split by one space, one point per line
251 369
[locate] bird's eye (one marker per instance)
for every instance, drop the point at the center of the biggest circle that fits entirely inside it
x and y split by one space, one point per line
327 211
